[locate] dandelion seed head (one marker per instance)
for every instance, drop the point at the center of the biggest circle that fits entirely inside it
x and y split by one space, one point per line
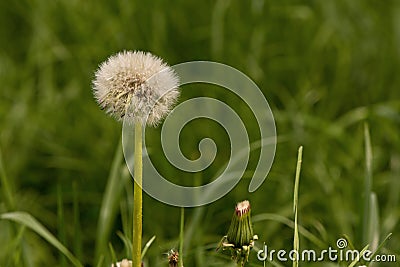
136 86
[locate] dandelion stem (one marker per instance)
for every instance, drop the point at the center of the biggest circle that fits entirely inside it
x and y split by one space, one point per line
137 199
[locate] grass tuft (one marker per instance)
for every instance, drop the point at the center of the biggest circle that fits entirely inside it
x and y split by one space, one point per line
27 220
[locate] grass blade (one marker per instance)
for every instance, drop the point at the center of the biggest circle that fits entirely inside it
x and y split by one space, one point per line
27 220
61 226
77 225
373 231
127 243
361 254
296 242
381 245
148 244
7 191
113 256
100 261
366 238
109 205
281 219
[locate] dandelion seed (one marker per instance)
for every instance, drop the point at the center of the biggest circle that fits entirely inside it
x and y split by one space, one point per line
136 86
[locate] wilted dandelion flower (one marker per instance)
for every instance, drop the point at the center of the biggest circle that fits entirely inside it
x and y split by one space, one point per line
240 232
240 238
137 86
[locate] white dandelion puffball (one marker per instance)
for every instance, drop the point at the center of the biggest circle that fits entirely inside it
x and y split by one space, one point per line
136 86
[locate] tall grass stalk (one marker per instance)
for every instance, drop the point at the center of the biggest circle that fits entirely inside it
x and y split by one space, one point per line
367 187
61 226
296 243
7 192
362 252
77 225
109 205
112 252
381 245
137 199
285 221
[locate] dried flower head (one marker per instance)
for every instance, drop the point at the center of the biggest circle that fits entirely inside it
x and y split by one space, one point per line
173 258
240 238
137 86
123 263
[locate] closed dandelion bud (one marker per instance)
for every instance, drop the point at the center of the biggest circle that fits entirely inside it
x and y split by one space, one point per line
240 238
240 232
136 86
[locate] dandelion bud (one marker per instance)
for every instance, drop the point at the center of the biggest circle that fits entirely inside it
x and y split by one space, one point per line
240 232
136 86
240 238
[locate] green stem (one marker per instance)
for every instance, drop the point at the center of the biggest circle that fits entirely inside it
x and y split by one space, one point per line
137 199
181 237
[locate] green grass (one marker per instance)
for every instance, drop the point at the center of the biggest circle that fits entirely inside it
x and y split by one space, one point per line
326 68
296 241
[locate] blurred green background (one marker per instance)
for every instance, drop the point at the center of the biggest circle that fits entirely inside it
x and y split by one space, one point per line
326 68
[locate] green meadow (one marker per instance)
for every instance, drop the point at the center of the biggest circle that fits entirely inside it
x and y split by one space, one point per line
329 70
